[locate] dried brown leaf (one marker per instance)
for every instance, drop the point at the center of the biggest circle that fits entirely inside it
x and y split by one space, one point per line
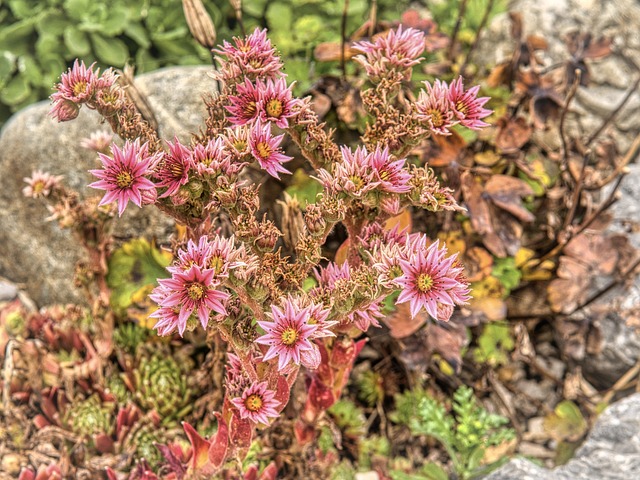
512 134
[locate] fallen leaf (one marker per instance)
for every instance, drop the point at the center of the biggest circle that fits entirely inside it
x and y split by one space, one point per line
512 134
566 423
478 264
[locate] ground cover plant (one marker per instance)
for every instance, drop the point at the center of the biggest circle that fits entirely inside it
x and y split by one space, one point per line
303 319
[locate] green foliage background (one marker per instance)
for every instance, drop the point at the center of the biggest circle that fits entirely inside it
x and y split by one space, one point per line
39 39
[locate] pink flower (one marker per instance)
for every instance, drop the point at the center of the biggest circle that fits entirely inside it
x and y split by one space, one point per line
98 141
212 159
253 56
63 110
435 108
244 105
191 291
123 176
287 335
265 148
217 254
173 169
391 176
431 281
78 84
353 176
40 184
276 102
398 50
257 403
467 107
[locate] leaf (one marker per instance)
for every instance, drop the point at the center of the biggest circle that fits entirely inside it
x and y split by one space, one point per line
76 41
512 134
17 90
111 51
138 34
52 23
566 423
505 192
304 188
507 272
478 264
441 150
401 324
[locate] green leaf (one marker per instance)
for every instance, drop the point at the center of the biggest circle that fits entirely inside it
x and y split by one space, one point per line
138 34
52 23
566 422
303 187
433 471
76 9
134 266
28 67
7 67
111 51
17 90
117 21
279 16
16 34
76 41
505 270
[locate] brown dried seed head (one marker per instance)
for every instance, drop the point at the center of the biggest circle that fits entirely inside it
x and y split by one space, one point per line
199 22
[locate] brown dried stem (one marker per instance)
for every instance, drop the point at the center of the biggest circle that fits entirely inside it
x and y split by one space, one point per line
343 38
563 116
454 36
483 24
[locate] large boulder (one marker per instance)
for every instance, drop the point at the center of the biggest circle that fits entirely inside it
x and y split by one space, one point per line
38 254
611 452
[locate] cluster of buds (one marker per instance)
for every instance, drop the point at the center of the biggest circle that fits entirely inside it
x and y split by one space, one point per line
243 287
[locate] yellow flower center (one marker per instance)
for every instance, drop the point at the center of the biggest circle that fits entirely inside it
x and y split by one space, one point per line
264 150
38 187
395 271
216 263
358 181
462 108
384 175
240 145
253 402
274 108
289 336
124 179
250 109
176 169
436 118
196 291
424 282
79 88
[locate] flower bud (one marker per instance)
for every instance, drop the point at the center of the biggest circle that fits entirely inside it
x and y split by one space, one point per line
64 110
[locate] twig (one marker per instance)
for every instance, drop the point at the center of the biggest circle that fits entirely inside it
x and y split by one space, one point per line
7 373
343 38
373 17
575 198
483 23
454 35
615 112
622 382
621 167
563 116
608 288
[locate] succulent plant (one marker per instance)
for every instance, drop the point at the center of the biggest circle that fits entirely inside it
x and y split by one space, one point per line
129 335
162 386
90 417
144 439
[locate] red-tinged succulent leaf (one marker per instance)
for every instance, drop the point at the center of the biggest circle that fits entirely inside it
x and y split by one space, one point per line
343 353
111 475
40 421
199 448
219 443
27 474
103 443
320 396
175 463
270 472
251 473
283 391
240 432
304 432
324 373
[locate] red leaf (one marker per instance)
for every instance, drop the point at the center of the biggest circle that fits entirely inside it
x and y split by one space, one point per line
199 448
219 443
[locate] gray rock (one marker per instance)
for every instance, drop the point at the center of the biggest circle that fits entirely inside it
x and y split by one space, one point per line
610 76
38 253
620 343
611 452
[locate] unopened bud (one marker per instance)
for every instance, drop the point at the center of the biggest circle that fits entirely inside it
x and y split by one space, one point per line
199 22
65 110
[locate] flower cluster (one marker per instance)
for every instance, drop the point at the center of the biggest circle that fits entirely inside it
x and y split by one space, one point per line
441 106
242 275
79 85
395 52
40 184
